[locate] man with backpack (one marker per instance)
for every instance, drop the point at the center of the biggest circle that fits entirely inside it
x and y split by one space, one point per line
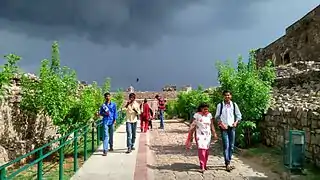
228 116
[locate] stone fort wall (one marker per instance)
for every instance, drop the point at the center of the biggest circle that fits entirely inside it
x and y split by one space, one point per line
301 42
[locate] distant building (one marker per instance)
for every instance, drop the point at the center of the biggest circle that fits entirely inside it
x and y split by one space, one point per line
130 89
170 88
186 88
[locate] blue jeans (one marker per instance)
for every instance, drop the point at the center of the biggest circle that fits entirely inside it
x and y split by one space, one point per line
228 139
131 129
107 136
161 112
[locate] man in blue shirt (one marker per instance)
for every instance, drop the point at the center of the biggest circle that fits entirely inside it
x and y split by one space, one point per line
108 111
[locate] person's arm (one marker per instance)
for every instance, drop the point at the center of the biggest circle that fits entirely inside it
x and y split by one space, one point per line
213 129
237 113
115 114
101 111
192 129
126 106
217 116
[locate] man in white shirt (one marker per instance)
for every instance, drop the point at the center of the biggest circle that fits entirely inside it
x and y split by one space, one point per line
132 111
228 116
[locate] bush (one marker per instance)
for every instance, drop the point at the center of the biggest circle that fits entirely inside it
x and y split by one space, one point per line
187 102
251 88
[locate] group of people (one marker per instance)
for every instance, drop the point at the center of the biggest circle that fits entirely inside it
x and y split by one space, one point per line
134 111
201 129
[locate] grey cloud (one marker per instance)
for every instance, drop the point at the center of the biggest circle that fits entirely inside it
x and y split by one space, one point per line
124 22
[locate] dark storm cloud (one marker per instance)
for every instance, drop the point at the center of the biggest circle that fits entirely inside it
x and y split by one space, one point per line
123 22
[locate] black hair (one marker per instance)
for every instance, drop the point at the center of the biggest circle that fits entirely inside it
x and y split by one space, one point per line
145 100
132 95
201 106
107 94
157 96
226 91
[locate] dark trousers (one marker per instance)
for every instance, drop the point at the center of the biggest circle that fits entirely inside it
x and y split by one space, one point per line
161 113
228 140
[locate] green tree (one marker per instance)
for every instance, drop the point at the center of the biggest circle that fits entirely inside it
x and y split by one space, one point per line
55 57
187 102
118 98
106 85
251 88
8 70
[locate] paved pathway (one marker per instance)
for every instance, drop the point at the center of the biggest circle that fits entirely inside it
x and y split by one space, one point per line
173 162
163 157
115 166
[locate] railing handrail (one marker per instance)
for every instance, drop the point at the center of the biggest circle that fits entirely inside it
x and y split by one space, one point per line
84 129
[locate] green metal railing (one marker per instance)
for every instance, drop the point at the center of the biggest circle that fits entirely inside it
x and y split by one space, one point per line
40 154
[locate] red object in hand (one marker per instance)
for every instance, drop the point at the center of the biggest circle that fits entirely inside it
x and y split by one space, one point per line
188 141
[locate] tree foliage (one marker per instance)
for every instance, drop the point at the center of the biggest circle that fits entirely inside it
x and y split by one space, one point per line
8 70
187 102
250 85
251 88
58 94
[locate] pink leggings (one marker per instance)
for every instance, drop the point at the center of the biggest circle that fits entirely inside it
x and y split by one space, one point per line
203 155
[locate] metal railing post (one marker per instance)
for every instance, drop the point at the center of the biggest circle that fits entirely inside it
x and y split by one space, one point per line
92 138
75 151
98 133
85 155
40 165
61 159
3 174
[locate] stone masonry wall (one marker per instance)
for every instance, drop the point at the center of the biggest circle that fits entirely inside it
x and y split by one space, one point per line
295 106
19 132
301 42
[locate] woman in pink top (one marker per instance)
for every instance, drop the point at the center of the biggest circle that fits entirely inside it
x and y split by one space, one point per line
203 127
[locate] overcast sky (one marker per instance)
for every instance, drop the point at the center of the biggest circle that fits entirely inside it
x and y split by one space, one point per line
159 41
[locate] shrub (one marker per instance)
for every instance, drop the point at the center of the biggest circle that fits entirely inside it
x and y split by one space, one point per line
250 87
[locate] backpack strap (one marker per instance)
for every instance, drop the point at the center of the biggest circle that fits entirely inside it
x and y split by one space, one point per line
221 106
234 111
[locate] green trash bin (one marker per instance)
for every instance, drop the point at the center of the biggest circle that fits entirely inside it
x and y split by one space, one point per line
294 149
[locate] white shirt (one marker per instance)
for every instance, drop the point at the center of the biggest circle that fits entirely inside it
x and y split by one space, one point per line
227 116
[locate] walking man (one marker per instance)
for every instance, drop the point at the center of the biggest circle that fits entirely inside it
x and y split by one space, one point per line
132 111
108 111
228 116
161 109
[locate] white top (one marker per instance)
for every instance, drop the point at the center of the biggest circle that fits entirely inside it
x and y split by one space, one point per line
227 116
203 129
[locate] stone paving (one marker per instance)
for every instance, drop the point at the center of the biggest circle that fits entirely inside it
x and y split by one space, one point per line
173 162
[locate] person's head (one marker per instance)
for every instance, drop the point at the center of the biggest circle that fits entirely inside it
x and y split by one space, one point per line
132 96
145 100
227 95
157 97
203 107
107 96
